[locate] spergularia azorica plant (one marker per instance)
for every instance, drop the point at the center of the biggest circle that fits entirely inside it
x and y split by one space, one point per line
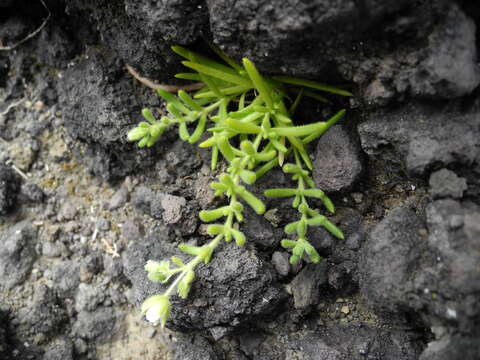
250 126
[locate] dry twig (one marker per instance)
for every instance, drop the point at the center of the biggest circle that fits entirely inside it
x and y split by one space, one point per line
32 34
169 88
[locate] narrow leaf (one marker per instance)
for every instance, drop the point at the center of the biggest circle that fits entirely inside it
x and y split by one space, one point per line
312 84
242 127
260 84
171 99
280 192
328 124
218 73
254 202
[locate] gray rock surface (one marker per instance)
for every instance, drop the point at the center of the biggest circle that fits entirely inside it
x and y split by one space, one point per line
390 258
43 316
454 231
453 347
60 350
17 254
334 342
173 210
66 278
259 231
450 69
98 324
281 263
265 32
118 199
445 183
306 285
196 347
88 297
93 95
424 136
338 161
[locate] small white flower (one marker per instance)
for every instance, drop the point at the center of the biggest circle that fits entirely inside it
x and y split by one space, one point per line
157 308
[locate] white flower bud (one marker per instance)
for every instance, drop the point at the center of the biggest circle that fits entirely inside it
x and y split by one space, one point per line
157 308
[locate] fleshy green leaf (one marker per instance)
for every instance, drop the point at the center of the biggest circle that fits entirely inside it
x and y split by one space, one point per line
185 284
254 202
260 84
312 84
242 127
211 215
280 192
218 73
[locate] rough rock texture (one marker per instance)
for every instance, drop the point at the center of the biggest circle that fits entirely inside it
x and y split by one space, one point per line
133 30
97 324
192 348
338 163
445 183
173 210
17 254
436 274
95 95
9 187
427 136
61 350
265 32
452 348
390 258
305 287
333 342
43 316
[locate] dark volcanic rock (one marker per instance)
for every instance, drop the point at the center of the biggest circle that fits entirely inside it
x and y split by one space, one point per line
450 68
9 187
174 22
440 64
453 347
66 277
454 232
337 165
390 256
445 183
99 324
266 31
306 285
3 335
60 350
99 107
425 136
259 231
335 342
193 348
17 253
44 315
235 287
402 272
173 210
348 342
135 30
31 193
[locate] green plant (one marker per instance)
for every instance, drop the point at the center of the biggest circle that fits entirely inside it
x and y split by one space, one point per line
252 129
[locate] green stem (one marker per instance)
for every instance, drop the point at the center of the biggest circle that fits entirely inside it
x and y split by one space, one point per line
192 264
